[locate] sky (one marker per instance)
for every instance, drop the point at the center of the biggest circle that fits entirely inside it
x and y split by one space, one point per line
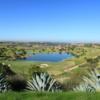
50 20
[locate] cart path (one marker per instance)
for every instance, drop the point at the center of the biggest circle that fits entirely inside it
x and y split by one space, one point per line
73 67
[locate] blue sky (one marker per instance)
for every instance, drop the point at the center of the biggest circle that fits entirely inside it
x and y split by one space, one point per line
50 20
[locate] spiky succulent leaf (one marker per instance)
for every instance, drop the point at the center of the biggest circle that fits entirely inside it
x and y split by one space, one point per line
3 83
90 83
41 81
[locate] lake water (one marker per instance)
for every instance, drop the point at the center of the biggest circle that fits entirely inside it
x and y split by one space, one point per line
48 57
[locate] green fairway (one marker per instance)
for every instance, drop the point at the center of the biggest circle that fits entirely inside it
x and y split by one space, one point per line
54 68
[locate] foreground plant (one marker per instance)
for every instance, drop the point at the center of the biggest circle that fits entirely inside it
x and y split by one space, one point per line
42 81
3 83
90 83
17 83
11 80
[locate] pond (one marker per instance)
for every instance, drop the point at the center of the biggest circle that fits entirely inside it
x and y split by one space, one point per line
48 57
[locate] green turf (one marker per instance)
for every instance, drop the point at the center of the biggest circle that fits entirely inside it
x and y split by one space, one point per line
49 96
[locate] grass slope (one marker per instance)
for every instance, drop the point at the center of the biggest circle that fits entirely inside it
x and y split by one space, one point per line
49 96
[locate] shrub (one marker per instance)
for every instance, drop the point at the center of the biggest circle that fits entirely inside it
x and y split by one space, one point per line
68 85
17 82
35 68
5 69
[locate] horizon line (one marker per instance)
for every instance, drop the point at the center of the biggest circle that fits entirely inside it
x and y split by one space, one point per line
50 41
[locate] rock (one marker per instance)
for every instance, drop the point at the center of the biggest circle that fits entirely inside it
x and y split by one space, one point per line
43 65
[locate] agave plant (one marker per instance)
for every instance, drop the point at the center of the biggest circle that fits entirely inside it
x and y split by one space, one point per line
42 81
4 71
3 83
90 83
